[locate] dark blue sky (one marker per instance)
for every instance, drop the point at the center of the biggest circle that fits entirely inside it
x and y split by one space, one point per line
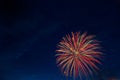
31 29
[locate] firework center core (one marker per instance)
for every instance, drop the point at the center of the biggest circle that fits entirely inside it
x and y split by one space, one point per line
76 52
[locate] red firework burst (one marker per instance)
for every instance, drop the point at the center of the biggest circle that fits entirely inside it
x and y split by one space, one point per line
77 54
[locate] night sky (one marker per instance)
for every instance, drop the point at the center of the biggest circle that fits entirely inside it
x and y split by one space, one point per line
31 29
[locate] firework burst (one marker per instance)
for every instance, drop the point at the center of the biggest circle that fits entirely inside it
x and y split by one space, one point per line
77 54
